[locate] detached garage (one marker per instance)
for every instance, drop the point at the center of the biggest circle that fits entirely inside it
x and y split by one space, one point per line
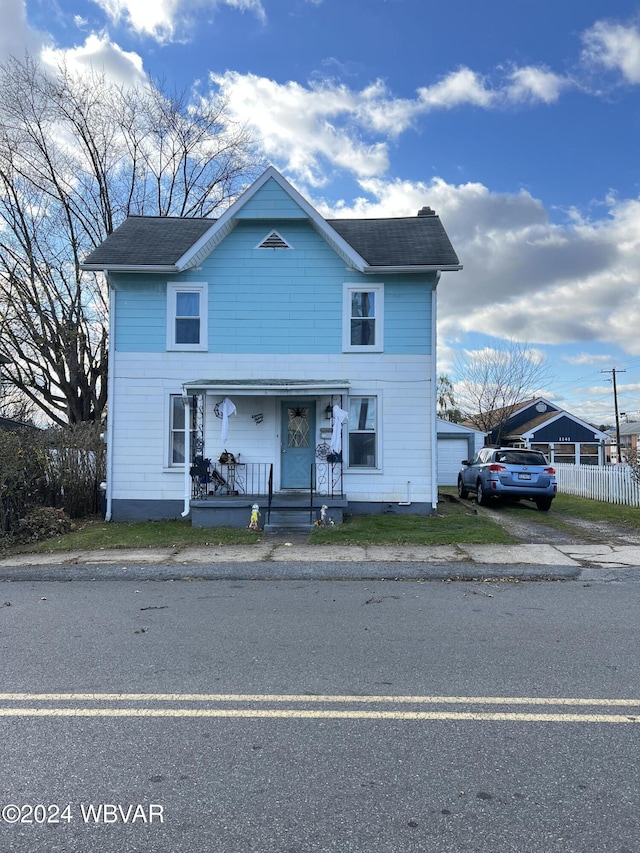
455 443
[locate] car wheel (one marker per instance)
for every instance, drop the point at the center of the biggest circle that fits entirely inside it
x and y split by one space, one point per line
462 492
543 504
482 498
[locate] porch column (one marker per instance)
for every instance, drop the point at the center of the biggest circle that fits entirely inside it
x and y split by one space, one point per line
187 455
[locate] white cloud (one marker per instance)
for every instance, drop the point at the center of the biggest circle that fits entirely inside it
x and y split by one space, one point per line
16 36
536 84
614 46
587 359
163 20
304 128
461 87
101 53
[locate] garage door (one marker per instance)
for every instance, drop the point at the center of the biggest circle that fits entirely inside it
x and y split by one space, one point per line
451 452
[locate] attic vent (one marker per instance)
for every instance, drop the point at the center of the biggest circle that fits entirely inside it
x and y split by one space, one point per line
426 211
274 241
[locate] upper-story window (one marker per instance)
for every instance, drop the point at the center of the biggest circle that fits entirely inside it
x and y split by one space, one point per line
363 314
186 316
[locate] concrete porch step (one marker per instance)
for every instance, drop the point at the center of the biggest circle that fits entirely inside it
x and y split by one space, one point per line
292 518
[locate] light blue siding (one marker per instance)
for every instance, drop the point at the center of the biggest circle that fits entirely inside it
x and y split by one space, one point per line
273 300
271 202
141 313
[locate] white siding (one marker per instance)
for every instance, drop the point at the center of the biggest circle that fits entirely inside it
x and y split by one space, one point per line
139 408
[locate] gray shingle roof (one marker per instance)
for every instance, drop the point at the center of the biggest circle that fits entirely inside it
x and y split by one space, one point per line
149 241
406 241
161 241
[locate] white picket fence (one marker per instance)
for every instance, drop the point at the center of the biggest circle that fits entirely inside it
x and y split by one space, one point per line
611 483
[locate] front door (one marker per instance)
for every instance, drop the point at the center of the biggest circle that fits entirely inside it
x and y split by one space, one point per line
297 443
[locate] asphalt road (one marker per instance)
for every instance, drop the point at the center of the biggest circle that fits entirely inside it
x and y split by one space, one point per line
309 716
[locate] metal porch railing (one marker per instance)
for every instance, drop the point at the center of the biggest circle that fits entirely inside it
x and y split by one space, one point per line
215 479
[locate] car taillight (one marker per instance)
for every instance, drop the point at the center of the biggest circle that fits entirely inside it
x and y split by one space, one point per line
549 470
495 467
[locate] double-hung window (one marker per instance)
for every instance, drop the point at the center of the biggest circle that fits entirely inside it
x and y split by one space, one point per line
363 432
178 429
186 316
363 315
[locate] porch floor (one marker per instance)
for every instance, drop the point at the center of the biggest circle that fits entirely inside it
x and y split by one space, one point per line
289 510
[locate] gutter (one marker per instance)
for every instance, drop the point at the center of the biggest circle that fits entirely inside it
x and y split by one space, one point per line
416 268
434 387
164 268
111 401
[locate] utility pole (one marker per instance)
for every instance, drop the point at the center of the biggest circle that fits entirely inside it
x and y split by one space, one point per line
613 373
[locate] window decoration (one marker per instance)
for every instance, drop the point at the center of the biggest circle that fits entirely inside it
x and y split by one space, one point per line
298 427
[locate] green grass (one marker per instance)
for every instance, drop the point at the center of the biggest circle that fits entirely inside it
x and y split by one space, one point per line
568 505
99 535
454 523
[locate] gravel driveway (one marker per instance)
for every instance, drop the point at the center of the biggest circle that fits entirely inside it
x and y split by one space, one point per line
528 525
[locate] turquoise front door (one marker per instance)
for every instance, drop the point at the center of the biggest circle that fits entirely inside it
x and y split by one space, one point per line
297 443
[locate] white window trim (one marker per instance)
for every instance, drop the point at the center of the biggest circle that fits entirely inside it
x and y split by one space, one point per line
360 469
348 289
169 464
202 289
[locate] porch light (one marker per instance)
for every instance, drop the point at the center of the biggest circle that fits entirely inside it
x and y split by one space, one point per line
328 413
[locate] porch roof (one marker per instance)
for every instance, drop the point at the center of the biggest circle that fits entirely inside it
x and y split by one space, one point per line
267 387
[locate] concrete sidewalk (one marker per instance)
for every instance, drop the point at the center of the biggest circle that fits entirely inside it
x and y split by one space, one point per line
576 556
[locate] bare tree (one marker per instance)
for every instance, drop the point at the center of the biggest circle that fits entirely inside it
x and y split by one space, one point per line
490 383
446 400
78 155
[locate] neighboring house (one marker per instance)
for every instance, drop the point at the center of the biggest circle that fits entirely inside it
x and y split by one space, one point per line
256 333
455 443
561 436
629 442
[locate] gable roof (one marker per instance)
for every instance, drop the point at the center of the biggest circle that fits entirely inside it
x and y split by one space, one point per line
529 427
173 244
506 413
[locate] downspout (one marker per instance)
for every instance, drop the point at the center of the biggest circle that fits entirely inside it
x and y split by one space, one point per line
434 385
408 501
187 455
111 369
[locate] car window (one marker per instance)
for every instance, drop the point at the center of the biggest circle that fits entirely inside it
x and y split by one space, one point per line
522 457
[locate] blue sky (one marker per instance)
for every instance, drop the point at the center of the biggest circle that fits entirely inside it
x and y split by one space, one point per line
518 121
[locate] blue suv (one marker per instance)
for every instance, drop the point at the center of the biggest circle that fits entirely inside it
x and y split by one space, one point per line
508 472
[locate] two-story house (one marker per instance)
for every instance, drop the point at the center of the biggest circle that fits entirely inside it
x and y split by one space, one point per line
304 347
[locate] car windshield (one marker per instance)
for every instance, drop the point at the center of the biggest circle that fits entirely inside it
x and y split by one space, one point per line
521 457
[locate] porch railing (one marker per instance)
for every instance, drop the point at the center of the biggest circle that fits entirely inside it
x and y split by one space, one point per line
214 479
326 479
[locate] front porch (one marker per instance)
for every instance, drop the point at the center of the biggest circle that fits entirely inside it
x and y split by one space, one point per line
224 494
295 425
